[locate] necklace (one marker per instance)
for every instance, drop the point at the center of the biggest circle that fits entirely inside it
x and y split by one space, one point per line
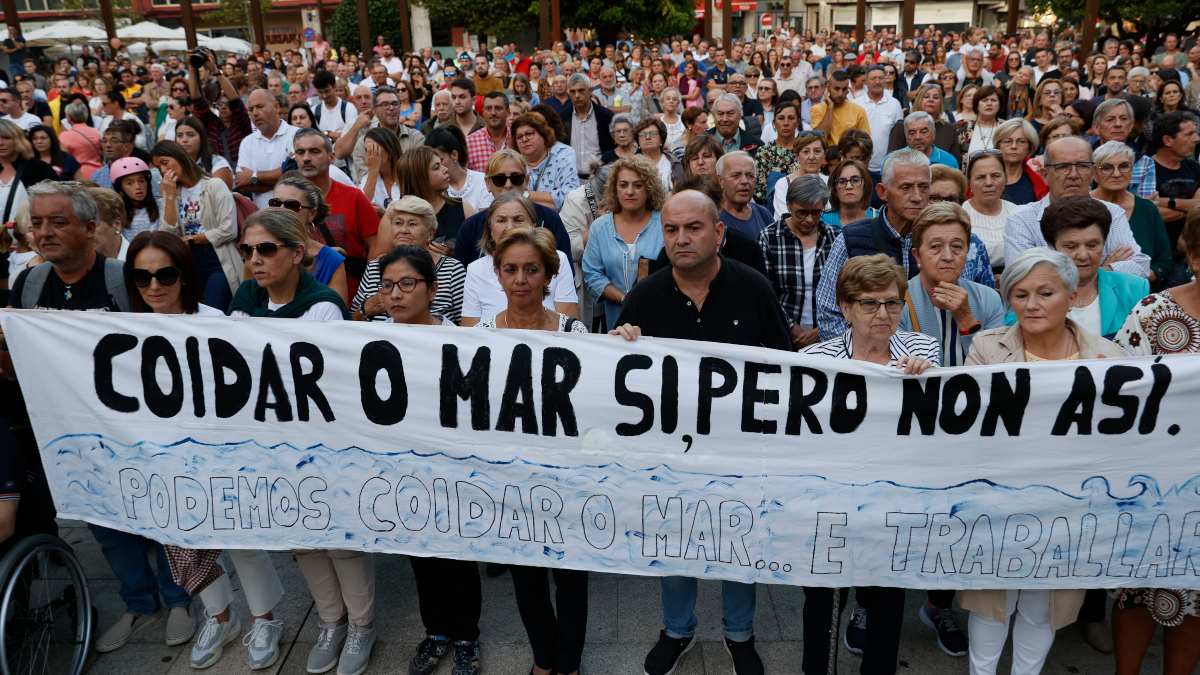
504 318
986 140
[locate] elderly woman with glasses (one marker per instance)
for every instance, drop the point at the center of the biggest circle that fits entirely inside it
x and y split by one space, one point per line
624 140
411 222
1114 169
1039 285
1017 140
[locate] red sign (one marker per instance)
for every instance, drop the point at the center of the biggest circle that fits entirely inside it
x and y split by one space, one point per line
767 20
744 5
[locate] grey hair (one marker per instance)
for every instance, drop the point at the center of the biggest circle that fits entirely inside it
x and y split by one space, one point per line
309 131
727 98
1010 127
620 118
1112 150
903 157
579 78
82 202
919 117
441 92
1107 105
1142 71
77 112
1020 268
736 154
807 190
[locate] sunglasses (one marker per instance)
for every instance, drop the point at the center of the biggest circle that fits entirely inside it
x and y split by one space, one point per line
289 204
501 179
266 249
166 276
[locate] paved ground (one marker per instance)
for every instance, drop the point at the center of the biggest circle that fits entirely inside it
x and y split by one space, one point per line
623 623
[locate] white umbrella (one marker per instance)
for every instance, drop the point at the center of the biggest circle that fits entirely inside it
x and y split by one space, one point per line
69 32
149 31
229 44
166 46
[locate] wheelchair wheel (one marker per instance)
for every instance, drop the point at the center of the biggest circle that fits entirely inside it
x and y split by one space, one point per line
45 608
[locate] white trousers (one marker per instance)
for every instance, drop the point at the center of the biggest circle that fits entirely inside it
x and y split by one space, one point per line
342 584
1032 635
260 584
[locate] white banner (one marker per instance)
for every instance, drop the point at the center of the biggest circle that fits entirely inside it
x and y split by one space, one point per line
655 457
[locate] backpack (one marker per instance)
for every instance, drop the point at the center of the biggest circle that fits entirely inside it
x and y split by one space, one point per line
114 282
321 106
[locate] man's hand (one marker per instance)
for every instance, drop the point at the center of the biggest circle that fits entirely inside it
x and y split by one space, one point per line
803 337
627 331
242 177
374 305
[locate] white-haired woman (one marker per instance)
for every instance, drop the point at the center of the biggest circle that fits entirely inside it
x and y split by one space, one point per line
1114 162
1039 287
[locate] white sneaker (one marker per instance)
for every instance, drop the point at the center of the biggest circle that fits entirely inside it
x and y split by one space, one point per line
324 654
262 643
210 645
124 630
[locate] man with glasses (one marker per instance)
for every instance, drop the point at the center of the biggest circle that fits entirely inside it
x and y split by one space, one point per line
15 112
814 93
752 109
1068 171
912 77
795 247
790 77
117 142
385 112
352 222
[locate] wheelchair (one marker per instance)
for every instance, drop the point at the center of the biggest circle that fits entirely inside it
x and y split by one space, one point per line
46 613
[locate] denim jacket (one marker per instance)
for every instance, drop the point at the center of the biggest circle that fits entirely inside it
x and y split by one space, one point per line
608 259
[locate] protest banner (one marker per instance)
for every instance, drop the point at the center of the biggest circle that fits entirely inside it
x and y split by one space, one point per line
654 457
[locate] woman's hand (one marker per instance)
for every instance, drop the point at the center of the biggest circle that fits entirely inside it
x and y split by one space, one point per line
374 156
441 247
913 365
374 305
169 185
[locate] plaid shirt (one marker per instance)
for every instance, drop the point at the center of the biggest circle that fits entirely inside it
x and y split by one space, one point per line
1145 178
480 149
784 257
225 141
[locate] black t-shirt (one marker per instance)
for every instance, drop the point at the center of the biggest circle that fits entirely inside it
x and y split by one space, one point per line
89 293
1020 192
741 308
1179 183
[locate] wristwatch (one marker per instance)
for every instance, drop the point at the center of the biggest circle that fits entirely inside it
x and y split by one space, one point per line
525 194
254 177
1171 204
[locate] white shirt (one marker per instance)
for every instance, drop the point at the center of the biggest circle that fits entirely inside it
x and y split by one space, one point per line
394 65
1087 316
259 153
779 203
474 191
806 313
340 176
990 229
322 311
382 196
483 297
1024 231
882 115
26 121
332 120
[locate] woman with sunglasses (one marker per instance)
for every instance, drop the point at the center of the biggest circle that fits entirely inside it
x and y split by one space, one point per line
176 110
297 194
767 94
410 221
160 265
200 208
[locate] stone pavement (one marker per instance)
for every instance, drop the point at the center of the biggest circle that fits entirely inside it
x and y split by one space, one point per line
623 623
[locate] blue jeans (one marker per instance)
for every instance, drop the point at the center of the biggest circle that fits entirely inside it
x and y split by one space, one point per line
140 585
679 605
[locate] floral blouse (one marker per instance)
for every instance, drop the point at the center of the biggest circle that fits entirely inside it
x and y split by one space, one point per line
1158 325
771 157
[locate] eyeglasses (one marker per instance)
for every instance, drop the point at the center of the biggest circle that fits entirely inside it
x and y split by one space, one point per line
289 204
871 305
1115 169
502 179
852 181
266 249
405 284
166 276
806 214
649 135
1065 168
387 104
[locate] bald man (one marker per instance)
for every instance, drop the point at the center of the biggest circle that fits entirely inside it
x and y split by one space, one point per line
262 153
703 296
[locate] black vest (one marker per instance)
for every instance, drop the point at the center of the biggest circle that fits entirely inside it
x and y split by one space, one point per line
870 236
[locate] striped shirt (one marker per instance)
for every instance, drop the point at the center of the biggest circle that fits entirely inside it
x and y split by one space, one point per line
902 343
447 302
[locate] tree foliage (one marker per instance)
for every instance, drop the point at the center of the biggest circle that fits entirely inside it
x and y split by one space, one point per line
231 13
648 18
383 19
1132 18
485 17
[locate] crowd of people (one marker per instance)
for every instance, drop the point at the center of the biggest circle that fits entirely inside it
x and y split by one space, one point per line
917 202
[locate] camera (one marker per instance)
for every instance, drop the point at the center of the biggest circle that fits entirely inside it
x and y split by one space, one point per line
197 58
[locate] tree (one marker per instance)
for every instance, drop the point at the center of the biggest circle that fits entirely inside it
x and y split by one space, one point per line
231 12
384 19
646 18
484 17
1132 18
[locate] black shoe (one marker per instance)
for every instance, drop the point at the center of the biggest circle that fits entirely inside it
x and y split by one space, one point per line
429 652
745 658
665 656
856 632
950 637
466 657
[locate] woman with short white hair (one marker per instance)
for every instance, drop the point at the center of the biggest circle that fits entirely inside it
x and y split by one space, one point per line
1114 162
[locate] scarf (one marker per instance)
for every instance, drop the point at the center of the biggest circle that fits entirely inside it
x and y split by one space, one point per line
252 299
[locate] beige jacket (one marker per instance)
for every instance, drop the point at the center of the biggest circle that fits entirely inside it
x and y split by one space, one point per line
219 215
1005 345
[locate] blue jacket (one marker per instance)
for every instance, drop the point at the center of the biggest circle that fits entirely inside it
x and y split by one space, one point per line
608 260
1119 294
985 305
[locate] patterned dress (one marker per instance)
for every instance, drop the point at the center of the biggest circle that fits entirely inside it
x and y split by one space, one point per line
1159 325
771 157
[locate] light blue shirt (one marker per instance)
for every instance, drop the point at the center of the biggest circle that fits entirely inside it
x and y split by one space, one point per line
609 259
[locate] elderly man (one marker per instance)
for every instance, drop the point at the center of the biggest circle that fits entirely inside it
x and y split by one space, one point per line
494 135
928 97
972 71
558 98
814 93
727 125
587 124
883 111
611 95
739 212
1068 171
443 112
385 112
919 131
795 247
904 189
1114 120
263 152
703 296
789 76
838 114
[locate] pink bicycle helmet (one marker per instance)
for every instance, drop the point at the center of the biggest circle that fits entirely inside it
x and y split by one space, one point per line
125 166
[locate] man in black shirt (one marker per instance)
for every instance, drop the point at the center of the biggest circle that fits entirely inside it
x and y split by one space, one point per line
703 296
1176 179
63 219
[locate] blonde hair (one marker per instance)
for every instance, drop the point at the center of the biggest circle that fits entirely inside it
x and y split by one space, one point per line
656 195
868 274
20 141
499 156
542 242
110 205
